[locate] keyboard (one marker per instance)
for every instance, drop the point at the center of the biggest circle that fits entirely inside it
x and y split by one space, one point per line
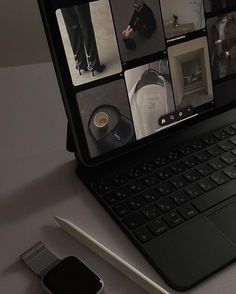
160 194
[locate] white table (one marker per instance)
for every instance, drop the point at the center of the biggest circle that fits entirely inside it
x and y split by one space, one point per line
37 181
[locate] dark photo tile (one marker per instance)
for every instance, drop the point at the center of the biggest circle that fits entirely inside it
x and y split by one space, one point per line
215 5
89 41
225 93
106 117
150 96
222 43
139 27
182 16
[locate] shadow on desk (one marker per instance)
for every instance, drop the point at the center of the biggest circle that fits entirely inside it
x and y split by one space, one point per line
34 282
54 187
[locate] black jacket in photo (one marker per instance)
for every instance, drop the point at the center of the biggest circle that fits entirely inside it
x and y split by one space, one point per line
143 21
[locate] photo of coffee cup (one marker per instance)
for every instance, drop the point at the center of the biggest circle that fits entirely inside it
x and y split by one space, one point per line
101 120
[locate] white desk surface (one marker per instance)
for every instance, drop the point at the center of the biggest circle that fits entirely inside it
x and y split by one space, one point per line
37 181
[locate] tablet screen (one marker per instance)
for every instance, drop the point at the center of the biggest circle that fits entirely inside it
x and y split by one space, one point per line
143 66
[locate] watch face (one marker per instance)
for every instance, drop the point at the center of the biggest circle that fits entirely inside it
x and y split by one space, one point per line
71 276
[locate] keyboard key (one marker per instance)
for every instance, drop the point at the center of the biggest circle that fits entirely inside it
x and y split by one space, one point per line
164 173
151 212
151 195
134 173
134 220
143 234
219 178
173 219
157 227
179 198
177 167
151 180
193 191
122 209
231 131
164 188
119 179
103 186
207 184
215 196
110 198
203 156
215 151
190 161
161 161
230 172
217 163
221 135
186 150
187 211
178 182
205 169
226 145
147 167
209 140
173 155
228 158
136 202
137 186
198 145
122 193
233 140
234 151
234 126
165 204
191 176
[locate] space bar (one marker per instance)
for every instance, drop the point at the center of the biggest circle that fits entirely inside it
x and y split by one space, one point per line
215 196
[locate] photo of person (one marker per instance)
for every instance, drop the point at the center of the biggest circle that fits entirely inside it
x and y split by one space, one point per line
191 74
106 117
215 5
150 96
139 27
89 40
143 21
222 40
82 38
182 17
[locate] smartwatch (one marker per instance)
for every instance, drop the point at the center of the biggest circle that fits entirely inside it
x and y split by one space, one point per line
67 276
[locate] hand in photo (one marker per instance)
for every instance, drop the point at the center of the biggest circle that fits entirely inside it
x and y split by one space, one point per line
127 32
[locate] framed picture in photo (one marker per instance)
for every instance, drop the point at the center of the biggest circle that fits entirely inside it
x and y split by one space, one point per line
191 74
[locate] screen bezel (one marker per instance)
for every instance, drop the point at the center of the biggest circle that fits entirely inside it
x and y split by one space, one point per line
48 11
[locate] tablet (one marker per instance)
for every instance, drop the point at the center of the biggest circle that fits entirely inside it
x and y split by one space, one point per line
133 71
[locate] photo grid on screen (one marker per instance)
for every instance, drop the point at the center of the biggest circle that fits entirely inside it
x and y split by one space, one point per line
133 62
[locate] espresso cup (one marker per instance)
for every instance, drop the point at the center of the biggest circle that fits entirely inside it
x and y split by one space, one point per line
101 120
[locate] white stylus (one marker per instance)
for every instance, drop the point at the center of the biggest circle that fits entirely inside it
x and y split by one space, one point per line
109 256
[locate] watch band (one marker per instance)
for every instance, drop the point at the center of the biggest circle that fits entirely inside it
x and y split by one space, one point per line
39 259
